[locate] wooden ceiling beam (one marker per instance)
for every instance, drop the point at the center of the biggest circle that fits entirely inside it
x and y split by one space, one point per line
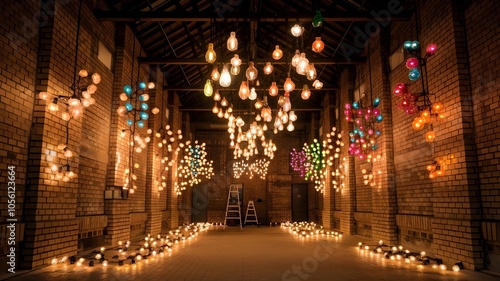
197 61
356 16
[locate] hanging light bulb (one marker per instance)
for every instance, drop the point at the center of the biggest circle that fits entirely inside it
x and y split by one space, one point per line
251 72
258 105
253 94
44 96
287 105
277 53
311 72
53 105
244 90
236 61
273 90
290 126
302 65
292 116
225 78
232 42
318 45
296 58
235 70
208 89
268 68
430 136
281 100
217 96
306 93
220 114
317 84
215 74
297 30
317 21
210 55
224 102
289 85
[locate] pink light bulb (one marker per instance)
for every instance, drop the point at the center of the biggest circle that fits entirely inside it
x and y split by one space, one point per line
431 49
412 63
367 116
347 106
376 112
347 112
370 132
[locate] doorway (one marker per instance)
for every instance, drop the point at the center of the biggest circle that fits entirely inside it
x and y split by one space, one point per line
199 203
300 204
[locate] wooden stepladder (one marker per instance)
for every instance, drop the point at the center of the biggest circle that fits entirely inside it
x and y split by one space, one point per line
251 215
233 208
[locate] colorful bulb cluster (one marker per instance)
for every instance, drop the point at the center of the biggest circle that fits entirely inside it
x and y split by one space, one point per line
194 167
316 160
298 161
311 162
363 137
135 104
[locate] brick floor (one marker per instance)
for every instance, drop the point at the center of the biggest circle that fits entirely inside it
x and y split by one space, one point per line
265 253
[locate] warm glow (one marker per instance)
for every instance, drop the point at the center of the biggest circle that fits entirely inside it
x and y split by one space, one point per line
296 58
215 74
418 123
251 72
268 68
236 61
208 89
430 136
273 90
297 30
317 84
210 55
437 106
311 72
318 45
244 90
232 42
302 65
277 53
225 78
289 85
306 93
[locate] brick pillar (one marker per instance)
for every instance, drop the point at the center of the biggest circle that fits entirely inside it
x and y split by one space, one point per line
384 203
172 198
328 194
348 193
118 210
49 213
457 207
153 169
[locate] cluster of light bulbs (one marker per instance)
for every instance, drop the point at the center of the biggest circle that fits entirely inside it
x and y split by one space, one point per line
194 167
436 169
149 248
257 167
81 98
245 143
339 174
309 229
314 158
397 253
133 99
363 139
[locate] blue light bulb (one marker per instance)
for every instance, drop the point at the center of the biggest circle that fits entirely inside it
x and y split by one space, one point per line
142 85
414 74
127 89
407 45
130 122
355 104
140 124
379 118
376 102
415 45
144 106
129 106
144 115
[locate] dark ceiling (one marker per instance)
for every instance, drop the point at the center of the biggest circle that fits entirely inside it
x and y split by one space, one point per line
175 35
